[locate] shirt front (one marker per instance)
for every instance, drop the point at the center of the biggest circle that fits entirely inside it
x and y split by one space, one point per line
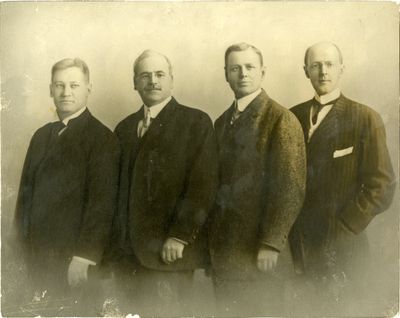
66 120
153 111
324 100
245 101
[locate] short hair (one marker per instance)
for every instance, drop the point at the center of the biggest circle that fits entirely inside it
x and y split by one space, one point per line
243 47
149 53
333 44
69 62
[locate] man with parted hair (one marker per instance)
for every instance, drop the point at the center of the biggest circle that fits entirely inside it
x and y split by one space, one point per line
260 192
350 180
67 195
167 187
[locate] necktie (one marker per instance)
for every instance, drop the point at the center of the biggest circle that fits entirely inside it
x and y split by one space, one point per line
236 113
57 128
146 122
318 107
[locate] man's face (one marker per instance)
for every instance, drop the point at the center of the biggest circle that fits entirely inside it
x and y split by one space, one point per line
69 91
153 80
243 72
323 68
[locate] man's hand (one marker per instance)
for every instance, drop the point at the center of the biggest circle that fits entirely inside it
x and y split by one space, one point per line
266 259
172 250
77 272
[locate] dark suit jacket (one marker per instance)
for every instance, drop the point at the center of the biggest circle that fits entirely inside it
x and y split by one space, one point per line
68 189
168 181
348 190
261 185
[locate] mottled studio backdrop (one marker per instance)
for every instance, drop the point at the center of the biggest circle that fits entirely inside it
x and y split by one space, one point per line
109 36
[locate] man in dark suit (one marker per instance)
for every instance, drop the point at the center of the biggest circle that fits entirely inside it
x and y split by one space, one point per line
261 190
67 195
167 187
349 180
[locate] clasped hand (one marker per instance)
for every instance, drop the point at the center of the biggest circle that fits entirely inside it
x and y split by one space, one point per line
267 259
171 250
77 273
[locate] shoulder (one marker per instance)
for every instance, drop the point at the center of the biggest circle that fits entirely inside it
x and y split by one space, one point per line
358 112
100 133
192 115
126 123
300 108
221 119
280 114
97 126
41 133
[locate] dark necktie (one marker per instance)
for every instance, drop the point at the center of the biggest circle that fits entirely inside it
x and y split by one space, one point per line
318 107
56 128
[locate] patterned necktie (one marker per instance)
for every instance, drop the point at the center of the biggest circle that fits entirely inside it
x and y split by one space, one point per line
236 113
145 122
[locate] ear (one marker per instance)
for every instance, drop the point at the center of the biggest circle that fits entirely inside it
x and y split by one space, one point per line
89 87
172 81
305 71
342 67
134 83
263 71
51 90
226 74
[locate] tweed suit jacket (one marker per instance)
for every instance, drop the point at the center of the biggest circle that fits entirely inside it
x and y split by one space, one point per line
349 181
261 185
68 191
167 187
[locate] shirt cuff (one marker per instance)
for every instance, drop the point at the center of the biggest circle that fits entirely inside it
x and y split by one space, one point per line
83 260
266 245
180 241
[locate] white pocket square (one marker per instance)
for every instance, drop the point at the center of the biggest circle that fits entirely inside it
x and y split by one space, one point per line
342 152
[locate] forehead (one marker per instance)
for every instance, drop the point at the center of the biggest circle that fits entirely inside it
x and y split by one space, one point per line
243 57
68 75
323 53
152 64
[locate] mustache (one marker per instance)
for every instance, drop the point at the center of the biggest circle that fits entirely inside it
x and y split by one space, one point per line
153 87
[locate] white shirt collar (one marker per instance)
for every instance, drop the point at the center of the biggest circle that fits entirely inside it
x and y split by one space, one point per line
324 99
243 102
156 109
74 115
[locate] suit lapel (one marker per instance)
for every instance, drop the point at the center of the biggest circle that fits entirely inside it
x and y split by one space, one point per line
253 113
329 129
303 115
160 125
70 138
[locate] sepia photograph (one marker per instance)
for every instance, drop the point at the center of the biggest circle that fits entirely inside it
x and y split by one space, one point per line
199 159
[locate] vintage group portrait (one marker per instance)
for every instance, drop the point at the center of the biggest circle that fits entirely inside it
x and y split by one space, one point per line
199 159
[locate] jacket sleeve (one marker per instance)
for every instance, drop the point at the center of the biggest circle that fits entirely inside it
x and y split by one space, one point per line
201 183
101 198
286 170
24 199
377 179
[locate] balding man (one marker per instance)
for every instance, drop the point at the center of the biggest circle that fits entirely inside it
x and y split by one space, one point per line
167 186
349 178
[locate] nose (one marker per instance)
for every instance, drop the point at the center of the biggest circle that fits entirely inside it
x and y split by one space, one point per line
66 91
153 78
243 72
324 68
